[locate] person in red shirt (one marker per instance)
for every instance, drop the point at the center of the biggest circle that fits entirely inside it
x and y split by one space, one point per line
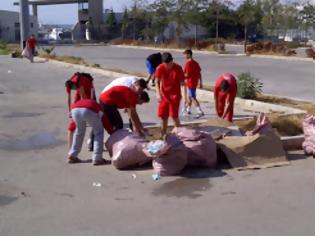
193 78
88 111
123 97
225 91
84 89
169 78
31 44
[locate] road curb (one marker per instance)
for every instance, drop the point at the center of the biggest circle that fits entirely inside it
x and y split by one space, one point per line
282 58
218 54
253 105
292 143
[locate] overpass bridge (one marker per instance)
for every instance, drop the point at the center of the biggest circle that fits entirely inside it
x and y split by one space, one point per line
89 11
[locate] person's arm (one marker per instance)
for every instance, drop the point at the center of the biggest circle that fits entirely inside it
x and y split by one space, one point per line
228 105
216 102
135 120
158 90
200 82
69 100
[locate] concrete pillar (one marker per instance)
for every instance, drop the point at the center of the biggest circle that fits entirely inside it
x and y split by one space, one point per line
34 7
24 22
96 11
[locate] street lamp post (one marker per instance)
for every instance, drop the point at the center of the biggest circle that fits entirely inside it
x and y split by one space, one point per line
24 22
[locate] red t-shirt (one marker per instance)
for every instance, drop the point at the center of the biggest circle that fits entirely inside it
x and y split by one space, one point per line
120 97
89 104
193 73
31 42
84 82
231 93
171 79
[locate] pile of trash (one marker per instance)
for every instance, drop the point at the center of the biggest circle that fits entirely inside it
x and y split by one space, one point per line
309 135
199 147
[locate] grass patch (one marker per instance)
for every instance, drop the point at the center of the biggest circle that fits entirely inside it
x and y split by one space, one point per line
6 49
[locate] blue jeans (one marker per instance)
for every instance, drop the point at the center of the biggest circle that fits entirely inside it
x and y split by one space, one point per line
81 117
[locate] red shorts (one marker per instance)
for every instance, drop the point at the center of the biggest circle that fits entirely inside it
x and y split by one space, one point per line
72 126
167 109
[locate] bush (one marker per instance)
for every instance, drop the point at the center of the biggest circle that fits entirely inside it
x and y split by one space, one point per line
310 52
248 86
48 51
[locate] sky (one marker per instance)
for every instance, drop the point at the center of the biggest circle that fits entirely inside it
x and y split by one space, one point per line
63 14
67 14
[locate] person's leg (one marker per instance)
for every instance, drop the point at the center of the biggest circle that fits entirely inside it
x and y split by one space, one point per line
77 115
113 116
98 130
188 108
91 141
174 110
71 130
163 127
163 114
130 125
196 103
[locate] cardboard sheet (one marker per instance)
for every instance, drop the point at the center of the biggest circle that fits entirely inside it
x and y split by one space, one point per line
254 152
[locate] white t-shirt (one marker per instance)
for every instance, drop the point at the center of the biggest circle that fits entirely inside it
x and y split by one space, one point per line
122 81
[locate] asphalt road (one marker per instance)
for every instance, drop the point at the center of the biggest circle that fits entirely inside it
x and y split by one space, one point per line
42 195
287 78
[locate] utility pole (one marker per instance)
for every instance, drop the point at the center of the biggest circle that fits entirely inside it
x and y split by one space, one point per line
24 22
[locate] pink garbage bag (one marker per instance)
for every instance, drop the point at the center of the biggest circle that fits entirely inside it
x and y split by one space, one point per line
174 159
201 148
309 134
126 150
114 138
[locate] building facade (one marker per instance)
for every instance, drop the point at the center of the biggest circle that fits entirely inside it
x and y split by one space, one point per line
10 26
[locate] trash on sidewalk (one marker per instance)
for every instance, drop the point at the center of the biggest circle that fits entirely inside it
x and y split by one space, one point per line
134 176
309 135
97 184
156 177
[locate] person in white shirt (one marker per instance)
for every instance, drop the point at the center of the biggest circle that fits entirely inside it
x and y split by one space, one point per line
138 84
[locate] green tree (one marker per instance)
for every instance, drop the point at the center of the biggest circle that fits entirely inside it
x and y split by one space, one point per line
111 21
160 19
124 23
246 14
307 17
138 18
272 15
220 18
196 14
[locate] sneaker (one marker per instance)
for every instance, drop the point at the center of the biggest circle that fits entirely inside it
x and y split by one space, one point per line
200 113
73 160
188 110
100 162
